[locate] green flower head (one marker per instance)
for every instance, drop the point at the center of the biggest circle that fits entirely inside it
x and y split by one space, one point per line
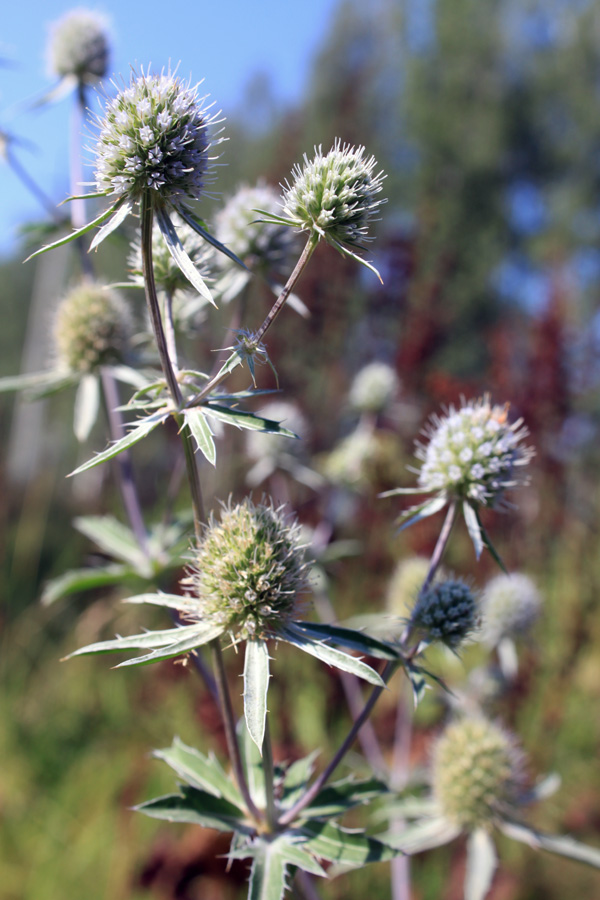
374 388
79 46
92 328
510 606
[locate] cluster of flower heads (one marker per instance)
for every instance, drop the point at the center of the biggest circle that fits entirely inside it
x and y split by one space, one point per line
374 388
477 772
154 134
473 453
266 247
92 328
249 570
79 46
447 612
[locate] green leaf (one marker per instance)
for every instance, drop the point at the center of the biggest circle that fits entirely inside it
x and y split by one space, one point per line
422 511
87 403
253 765
330 655
145 641
82 580
563 845
489 545
179 254
197 807
200 429
80 231
347 637
296 779
256 685
295 855
329 841
195 223
199 771
200 634
423 835
417 682
170 601
30 381
248 420
473 527
336 798
119 217
267 877
113 538
138 433
481 865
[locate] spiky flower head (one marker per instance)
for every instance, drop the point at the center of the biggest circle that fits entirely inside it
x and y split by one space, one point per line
154 135
92 328
249 570
264 246
477 772
474 453
510 605
446 612
261 445
168 276
364 459
374 388
335 196
407 580
79 46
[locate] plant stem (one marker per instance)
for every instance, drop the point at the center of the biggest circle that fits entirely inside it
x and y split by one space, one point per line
269 773
78 211
229 724
440 547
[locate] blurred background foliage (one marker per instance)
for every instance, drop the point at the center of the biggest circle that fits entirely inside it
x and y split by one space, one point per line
485 117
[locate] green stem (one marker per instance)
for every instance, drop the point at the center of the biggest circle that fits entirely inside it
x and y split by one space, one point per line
269 772
230 735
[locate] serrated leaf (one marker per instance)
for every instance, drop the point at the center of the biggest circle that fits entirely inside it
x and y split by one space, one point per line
248 420
195 223
329 841
296 779
200 429
201 634
113 538
268 873
347 637
87 402
256 685
563 845
481 865
79 232
119 217
197 807
422 511
330 655
423 835
179 254
138 433
253 765
82 580
335 799
200 771
145 641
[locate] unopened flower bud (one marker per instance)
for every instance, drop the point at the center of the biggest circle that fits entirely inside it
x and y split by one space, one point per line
92 328
446 612
79 46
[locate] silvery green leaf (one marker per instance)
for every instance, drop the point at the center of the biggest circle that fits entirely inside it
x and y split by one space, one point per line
507 658
200 429
200 634
330 655
253 765
422 511
197 807
145 641
170 601
346 637
179 254
87 402
80 231
296 779
247 420
352 848
268 874
82 580
544 788
125 209
130 376
473 527
113 538
256 685
563 845
336 798
137 433
423 835
417 681
346 251
481 864
200 771
29 381
488 544
194 223
294 854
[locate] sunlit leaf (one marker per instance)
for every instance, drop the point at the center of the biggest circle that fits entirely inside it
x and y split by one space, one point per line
256 685
138 433
197 807
203 772
330 655
481 864
200 429
179 254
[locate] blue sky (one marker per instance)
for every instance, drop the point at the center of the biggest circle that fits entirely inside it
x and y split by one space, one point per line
222 42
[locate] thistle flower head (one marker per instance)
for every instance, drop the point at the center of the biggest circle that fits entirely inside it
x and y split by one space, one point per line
154 135
79 46
374 388
477 772
510 605
92 328
363 459
249 570
263 246
168 276
335 196
474 453
446 612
